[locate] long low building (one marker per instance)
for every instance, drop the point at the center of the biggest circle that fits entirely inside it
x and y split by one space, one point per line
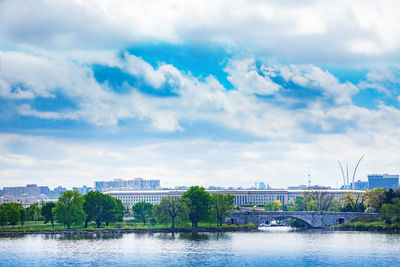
242 197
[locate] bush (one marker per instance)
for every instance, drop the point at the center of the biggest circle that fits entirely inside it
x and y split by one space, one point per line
249 225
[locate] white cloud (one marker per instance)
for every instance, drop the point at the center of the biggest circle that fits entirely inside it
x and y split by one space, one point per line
338 131
71 162
298 31
312 77
244 76
206 100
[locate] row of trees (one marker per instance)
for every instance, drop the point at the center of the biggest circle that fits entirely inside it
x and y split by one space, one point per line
71 208
375 200
195 205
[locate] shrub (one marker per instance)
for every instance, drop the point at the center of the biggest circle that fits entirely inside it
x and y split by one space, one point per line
249 225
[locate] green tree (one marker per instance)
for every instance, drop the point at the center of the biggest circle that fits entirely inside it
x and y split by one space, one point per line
3 217
391 209
389 196
33 212
143 211
94 207
221 206
198 201
300 204
375 198
114 209
101 207
22 216
319 200
47 213
69 208
170 210
273 206
12 212
351 203
312 205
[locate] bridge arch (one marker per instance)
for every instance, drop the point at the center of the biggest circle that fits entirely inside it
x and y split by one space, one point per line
315 219
270 217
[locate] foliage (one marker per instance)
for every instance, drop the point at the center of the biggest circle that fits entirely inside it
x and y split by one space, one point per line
169 210
33 212
143 210
198 201
390 195
47 212
22 216
95 207
391 209
249 225
221 206
300 204
374 199
273 206
12 212
319 200
3 217
69 208
350 203
296 223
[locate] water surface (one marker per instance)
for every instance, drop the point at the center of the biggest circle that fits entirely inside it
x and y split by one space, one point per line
277 246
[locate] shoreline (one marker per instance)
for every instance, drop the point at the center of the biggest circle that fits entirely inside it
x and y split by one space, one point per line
366 229
181 230
127 231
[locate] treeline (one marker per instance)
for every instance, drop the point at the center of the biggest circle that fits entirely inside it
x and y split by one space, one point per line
72 208
376 200
196 205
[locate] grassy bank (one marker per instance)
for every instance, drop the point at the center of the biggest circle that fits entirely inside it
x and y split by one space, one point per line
126 225
373 223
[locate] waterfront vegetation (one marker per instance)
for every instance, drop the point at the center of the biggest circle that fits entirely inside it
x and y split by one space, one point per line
195 209
95 210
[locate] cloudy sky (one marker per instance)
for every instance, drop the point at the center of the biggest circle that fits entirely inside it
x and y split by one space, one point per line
198 92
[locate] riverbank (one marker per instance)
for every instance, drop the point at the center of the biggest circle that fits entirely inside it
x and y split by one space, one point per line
244 228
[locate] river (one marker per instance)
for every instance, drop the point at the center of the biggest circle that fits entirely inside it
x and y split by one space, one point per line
275 246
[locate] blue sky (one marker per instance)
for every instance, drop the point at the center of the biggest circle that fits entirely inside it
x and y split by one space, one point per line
263 91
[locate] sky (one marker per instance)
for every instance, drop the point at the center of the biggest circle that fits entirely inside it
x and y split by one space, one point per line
224 93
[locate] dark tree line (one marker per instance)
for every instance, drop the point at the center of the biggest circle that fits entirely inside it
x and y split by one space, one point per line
195 205
71 208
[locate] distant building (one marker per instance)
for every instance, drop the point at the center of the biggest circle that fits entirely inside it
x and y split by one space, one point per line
83 190
302 186
262 186
359 185
28 190
24 200
241 197
120 185
386 181
58 191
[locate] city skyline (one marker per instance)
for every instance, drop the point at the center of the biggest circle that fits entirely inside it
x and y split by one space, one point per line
209 93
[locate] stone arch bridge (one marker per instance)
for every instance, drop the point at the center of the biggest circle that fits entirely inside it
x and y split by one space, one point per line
315 219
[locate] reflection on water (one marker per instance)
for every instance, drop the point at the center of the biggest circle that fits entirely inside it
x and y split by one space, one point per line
273 246
99 236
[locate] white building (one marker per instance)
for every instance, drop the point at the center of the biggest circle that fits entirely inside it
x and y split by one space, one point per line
242 197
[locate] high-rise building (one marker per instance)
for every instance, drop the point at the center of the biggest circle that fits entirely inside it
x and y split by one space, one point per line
28 190
359 185
83 190
120 184
386 181
58 191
